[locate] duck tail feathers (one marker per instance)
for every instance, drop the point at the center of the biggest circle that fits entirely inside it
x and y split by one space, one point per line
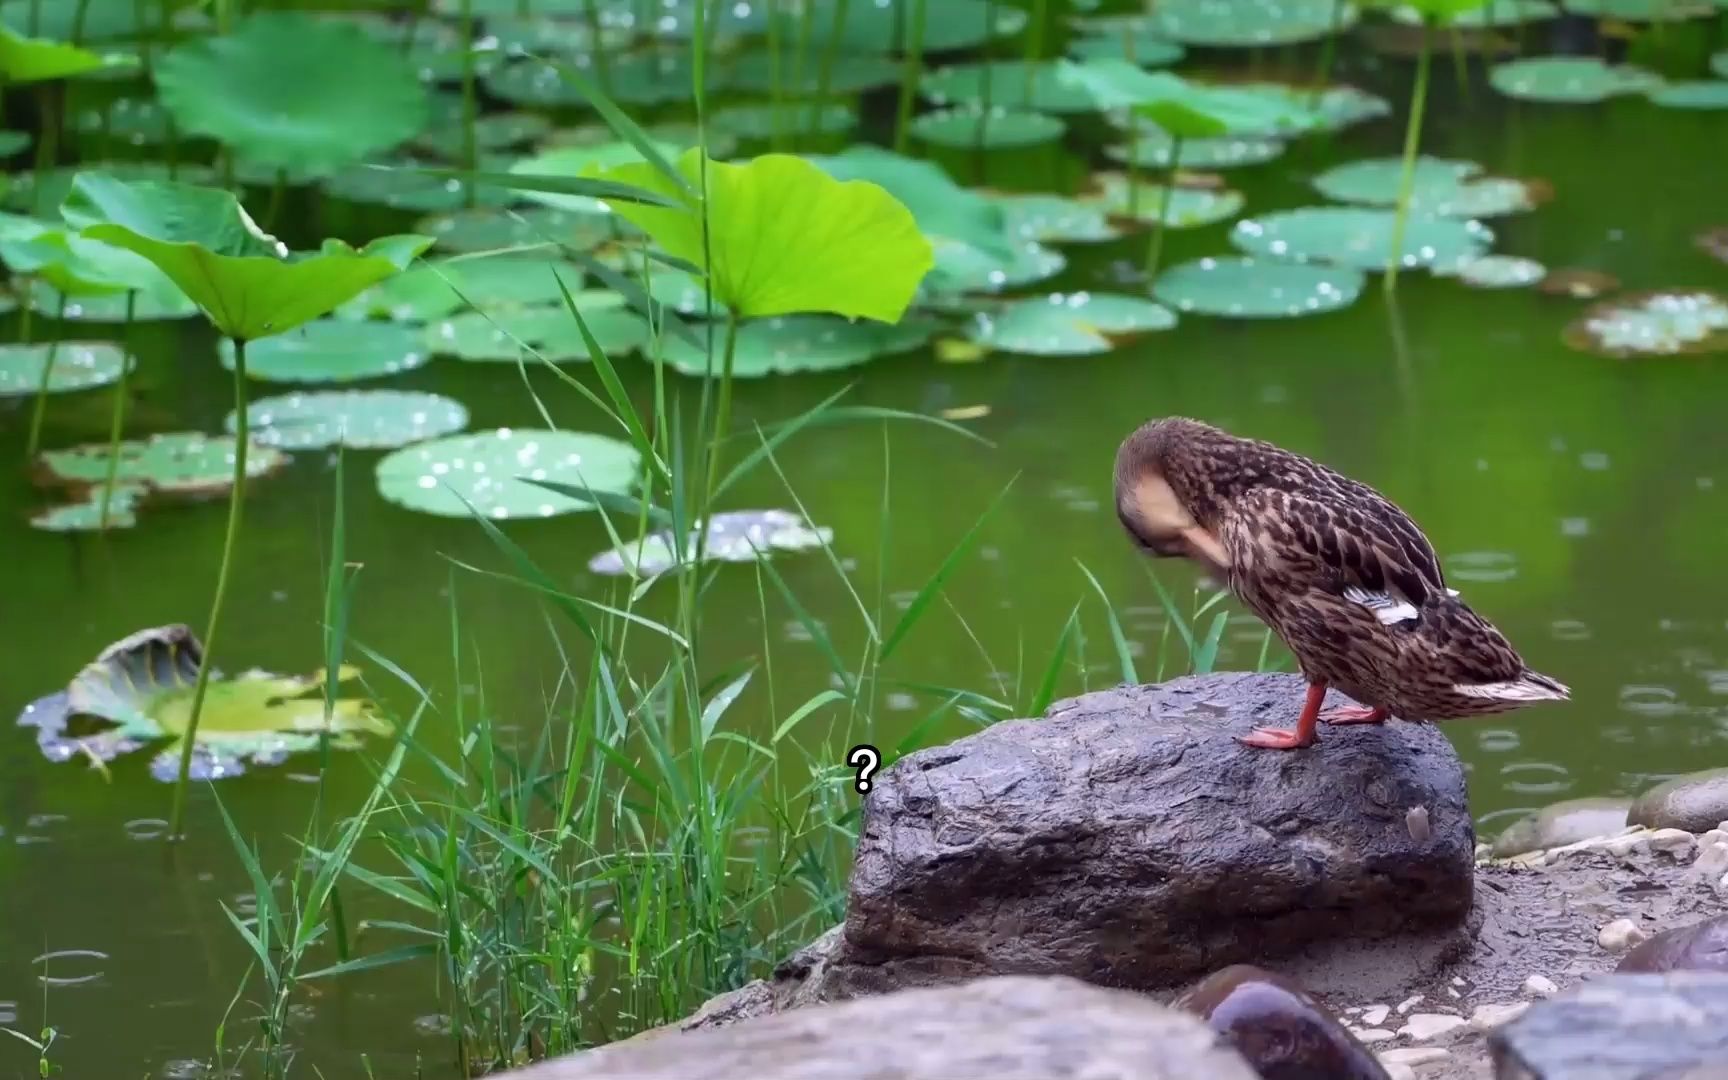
1530 686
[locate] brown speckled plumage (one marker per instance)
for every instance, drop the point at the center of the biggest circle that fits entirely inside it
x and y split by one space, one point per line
1338 571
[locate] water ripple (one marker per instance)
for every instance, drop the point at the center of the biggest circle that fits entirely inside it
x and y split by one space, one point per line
1535 778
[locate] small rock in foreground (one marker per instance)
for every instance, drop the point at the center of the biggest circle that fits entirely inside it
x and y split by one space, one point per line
1703 946
1620 1027
1278 1027
1620 935
1694 802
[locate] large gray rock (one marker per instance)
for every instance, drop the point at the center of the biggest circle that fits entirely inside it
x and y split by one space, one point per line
1127 839
1563 823
1694 802
1011 1028
1622 1027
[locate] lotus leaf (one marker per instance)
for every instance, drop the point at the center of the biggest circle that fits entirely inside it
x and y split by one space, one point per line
110 307
208 246
662 19
1240 288
795 343
1567 80
966 268
333 350
784 237
1641 10
764 120
1439 186
1337 107
85 514
491 229
1140 46
99 20
134 121
536 35
880 25
1719 63
78 365
143 684
1488 14
1442 12
1361 238
445 286
1153 148
1067 324
536 83
567 161
657 77
12 142
1187 109
432 49
1188 207
71 264
402 186
550 331
489 472
492 131
360 419
1661 323
969 126
1249 23
1501 272
734 536
287 90
850 74
27 59
1701 94
52 186
1036 85
1049 219
942 208
182 463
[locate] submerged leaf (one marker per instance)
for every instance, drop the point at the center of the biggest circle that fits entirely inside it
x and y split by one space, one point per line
783 237
490 472
735 536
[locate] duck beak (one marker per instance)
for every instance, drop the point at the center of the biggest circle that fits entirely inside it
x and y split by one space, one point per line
1203 545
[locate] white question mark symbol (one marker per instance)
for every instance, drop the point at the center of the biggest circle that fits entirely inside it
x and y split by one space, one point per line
865 758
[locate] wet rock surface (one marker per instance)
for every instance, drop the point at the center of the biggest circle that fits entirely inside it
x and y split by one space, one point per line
1563 823
1703 946
1622 1027
1694 802
1009 1028
1128 839
1278 1027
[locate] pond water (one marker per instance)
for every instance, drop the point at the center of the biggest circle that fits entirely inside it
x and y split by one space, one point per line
1580 502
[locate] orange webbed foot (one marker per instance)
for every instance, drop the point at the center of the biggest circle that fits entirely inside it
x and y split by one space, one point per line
1355 714
1278 739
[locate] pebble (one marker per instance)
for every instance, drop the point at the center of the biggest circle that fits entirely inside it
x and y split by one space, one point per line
1712 859
1620 935
1415 1056
1409 1003
1722 886
1541 985
1425 1026
1375 1015
1675 841
1714 836
1622 846
1367 1036
1396 1071
1489 1017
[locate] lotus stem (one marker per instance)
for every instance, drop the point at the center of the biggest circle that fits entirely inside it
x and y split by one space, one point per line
987 90
470 154
776 89
723 407
278 190
800 53
40 411
591 12
78 14
47 147
117 422
1460 63
1035 45
236 500
1155 246
1328 53
1412 139
909 78
825 70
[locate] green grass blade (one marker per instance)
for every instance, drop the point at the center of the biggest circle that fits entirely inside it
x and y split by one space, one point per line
933 587
1124 654
1053 670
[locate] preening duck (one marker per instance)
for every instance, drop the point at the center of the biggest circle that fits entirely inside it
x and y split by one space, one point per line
1342 575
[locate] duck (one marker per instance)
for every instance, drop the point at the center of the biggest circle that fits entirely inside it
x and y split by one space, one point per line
1343 576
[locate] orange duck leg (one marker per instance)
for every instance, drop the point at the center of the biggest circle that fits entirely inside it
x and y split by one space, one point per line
1286 739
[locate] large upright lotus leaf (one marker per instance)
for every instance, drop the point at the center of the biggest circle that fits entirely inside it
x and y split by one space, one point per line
181 463
942 208
144 683
65 262
1439 186
358 419
27 59
207 245
735 536
489 471
288 90
1186 208
1184 108
1361 238
1036 85
1067 324
549 331
798 343
1239 288
784 237
1667 322
332 350
999 129
884 25
1249 23
78 365
1569 80
567 161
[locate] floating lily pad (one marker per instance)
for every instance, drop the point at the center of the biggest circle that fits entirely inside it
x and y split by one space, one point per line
85 514
349 96
182 463
962 267
495 228
97 20
789 344
1439 186
879 26
445 286
1501 272
360 419
658 77
763 120
1701 94
332 350
1491 14
538 35
1153 148
78 365
1067 324
541 84
1337 107
400 186
489 470
144 684
1361 238
851 73
1142 46
1240 288
1667 322
1642 10
109 307
1567 80
1016 83
1189 207
492 131
1049 219
736 536
56 184
1248 23
550 331
1001 128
